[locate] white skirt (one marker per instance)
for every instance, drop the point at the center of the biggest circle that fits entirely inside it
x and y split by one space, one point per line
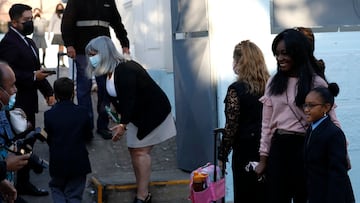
161 133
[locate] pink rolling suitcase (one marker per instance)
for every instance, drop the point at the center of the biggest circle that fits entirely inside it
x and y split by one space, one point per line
213 189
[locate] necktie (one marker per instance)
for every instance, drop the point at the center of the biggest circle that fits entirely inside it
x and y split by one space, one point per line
310 134
28 40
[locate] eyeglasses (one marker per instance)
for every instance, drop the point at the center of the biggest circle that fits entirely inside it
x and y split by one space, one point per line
309 105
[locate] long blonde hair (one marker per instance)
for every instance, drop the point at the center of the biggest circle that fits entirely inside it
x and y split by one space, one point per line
250 66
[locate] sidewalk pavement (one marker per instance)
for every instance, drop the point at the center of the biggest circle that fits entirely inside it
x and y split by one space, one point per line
111 162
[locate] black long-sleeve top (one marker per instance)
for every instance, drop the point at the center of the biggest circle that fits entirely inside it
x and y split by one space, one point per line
139 99
91 10
243 113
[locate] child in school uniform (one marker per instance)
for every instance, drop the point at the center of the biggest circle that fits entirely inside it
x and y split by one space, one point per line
68 128
325 150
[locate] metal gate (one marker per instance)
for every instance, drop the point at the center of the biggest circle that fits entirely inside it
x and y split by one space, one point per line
194 83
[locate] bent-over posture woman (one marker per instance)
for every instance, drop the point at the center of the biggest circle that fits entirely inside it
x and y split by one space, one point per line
145 110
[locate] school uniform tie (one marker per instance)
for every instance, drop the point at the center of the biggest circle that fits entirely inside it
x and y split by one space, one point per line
310 134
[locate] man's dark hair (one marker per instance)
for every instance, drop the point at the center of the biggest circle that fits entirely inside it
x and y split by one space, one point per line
63 88
17 10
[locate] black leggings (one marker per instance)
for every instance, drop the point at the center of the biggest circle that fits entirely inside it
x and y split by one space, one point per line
285 170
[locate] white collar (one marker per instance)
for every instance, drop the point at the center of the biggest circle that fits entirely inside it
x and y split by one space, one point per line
22 36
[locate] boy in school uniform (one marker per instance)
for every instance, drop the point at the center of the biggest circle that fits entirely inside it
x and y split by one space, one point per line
69 128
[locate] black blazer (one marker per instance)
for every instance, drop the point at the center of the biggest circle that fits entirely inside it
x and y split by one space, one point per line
68 127
22 60
326 165
139 99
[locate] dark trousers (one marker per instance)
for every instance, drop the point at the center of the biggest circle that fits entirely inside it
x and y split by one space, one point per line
83 86
247 188
285 170
83 93
103 100
23 175
69 190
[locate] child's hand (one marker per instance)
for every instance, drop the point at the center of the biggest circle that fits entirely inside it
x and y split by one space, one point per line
50 100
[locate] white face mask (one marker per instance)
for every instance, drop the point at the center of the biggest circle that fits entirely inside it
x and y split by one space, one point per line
94 60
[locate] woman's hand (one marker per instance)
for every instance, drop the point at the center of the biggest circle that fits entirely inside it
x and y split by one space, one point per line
260 168
118 131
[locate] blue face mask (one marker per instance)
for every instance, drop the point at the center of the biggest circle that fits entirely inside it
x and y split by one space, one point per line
12 100
94 60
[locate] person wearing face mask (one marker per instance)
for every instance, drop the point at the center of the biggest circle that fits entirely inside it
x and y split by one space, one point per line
8 161
22 55
145 110
54 28
84 20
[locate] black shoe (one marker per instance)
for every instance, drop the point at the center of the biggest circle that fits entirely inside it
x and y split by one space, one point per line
106 134
30 189
147 199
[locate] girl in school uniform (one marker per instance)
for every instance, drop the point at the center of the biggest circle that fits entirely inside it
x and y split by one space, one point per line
325 150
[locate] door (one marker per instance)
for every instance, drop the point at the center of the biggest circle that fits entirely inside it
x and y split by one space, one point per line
194 84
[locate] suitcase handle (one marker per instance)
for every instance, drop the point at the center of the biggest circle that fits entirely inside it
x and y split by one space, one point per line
217 131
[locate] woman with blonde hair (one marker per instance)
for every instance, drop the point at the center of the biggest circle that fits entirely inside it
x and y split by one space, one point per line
243 112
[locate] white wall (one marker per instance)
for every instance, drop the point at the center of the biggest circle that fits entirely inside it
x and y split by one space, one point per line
148 23
230 23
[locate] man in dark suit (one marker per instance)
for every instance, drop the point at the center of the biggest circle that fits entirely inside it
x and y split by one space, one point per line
21 53
68 127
